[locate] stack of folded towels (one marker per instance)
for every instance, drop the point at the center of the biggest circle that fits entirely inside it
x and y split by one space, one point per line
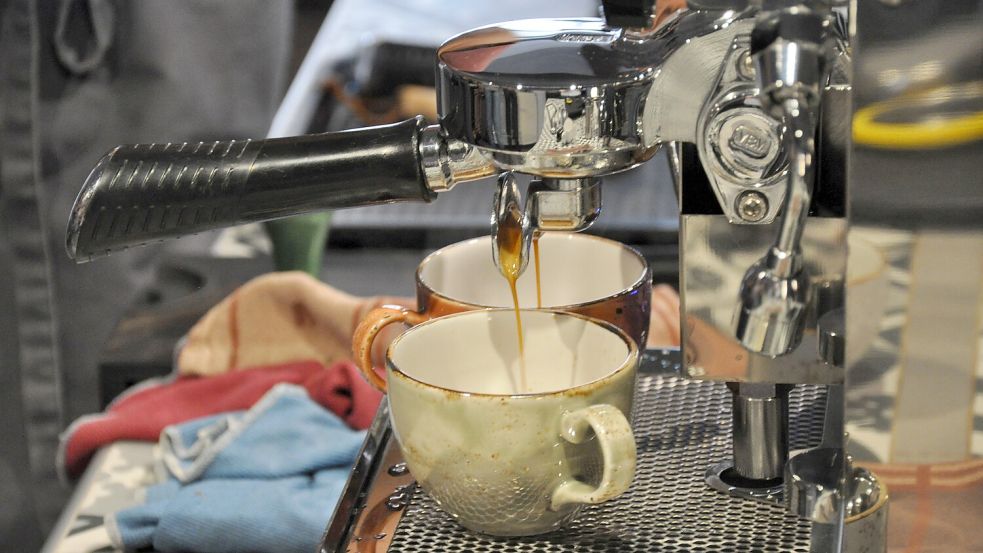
257 429
265 479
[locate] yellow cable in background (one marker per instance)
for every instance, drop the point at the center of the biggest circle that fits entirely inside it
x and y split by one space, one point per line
937 132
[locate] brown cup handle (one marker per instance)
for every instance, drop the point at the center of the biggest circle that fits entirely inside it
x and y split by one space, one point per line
369 328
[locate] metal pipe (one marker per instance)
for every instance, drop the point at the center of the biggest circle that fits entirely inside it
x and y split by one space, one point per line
800 143
760 429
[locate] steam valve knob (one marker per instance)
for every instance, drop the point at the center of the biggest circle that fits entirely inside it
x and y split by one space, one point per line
791 25
635 14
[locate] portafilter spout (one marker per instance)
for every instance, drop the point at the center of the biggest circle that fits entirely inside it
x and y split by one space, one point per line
511 232
569 205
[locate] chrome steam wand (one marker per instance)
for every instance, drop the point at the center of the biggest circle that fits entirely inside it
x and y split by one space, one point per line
787 47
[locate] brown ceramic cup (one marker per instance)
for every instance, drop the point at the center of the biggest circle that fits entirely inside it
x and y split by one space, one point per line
583 274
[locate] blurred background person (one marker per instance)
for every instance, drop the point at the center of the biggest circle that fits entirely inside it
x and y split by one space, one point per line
78 77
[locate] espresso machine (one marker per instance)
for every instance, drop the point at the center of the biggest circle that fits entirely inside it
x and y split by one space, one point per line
744 433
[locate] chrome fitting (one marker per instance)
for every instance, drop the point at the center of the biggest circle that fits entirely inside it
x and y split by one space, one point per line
446 162
564 204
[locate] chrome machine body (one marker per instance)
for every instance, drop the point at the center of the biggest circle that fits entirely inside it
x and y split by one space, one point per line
573 100
754 101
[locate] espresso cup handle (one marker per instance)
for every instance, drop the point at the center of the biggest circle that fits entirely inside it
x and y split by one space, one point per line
369 328
617 443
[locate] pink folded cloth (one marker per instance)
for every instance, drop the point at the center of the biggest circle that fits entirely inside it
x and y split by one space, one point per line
276 318
143 412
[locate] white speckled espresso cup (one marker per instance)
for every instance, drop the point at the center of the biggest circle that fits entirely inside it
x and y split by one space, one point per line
503 462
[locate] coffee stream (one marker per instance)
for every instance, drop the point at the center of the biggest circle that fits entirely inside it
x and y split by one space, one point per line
510 256
509 244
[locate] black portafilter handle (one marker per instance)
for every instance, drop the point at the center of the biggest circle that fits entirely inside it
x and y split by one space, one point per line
144 193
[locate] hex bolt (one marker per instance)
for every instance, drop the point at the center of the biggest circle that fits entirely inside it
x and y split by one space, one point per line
752 206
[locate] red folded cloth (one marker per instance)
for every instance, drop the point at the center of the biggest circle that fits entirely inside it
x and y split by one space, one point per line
143 413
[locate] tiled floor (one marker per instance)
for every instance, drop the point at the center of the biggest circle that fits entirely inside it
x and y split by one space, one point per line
891 386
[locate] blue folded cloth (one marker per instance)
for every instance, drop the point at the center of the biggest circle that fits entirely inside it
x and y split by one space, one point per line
266 479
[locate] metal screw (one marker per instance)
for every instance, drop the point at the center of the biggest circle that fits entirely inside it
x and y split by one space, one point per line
397 501
745 65
752 206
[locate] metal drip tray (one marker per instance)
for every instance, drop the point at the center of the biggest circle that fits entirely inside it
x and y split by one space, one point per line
682 427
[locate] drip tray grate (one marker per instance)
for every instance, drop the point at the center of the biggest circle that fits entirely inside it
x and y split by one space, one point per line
682 427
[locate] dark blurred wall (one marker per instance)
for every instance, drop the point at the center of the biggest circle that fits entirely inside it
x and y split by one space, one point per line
309 14
78 77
